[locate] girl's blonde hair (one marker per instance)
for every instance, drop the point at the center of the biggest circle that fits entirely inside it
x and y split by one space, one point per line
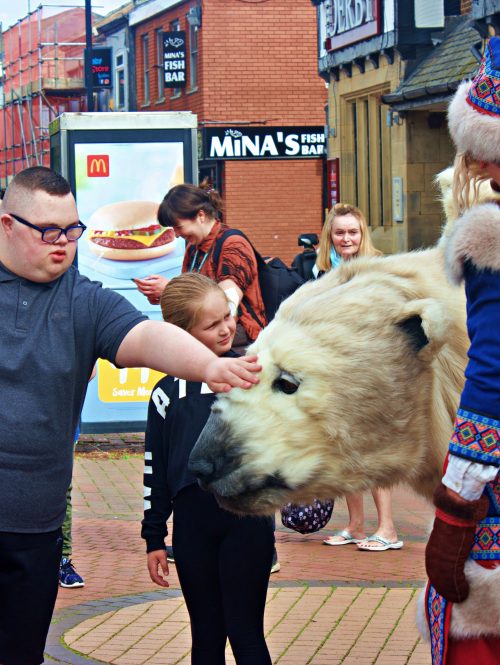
183 298
366 247
467 178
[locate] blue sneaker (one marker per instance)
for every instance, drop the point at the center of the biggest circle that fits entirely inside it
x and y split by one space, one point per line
68 577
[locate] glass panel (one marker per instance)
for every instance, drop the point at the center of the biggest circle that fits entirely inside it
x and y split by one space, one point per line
193 53
159 63
145 56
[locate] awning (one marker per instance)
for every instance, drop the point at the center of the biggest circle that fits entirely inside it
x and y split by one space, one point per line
437 76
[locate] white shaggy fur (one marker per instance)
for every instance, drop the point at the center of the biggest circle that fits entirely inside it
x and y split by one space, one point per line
375 402
475 236
444 180
471 131
469 619
371 408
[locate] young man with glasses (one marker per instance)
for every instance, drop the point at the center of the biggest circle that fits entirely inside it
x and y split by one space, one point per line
55 323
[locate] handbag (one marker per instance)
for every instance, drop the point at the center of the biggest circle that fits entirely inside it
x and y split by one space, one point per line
307 518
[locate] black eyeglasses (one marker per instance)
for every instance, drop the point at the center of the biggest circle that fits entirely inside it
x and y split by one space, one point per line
53 233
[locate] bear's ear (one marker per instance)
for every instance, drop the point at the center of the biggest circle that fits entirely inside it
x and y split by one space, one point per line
424 321
415 332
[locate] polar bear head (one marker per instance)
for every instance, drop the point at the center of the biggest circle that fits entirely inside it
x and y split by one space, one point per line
362 371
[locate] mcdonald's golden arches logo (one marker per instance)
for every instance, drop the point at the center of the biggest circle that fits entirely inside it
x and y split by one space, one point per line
98 166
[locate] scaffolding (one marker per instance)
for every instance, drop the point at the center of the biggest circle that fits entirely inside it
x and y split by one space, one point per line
43 76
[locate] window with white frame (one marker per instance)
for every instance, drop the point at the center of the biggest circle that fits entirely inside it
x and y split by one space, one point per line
120 82
145 60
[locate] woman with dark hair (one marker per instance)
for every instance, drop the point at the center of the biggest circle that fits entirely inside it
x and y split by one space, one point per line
195 213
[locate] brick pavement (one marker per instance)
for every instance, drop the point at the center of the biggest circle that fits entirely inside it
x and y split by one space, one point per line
327 605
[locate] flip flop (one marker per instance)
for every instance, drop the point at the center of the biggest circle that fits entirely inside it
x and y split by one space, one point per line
382 544
347 538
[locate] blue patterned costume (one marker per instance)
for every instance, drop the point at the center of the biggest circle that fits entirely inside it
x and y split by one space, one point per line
473 254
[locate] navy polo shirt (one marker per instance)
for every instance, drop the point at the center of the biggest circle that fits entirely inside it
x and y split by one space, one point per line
51 335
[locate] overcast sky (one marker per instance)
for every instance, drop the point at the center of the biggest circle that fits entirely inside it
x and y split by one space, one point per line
12 10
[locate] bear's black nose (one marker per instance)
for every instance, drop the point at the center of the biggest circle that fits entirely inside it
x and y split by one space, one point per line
202 469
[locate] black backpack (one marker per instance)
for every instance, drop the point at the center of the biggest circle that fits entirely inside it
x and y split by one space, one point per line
277 281
304 263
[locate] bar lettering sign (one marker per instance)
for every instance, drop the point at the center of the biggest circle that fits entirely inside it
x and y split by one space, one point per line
263 142
174 59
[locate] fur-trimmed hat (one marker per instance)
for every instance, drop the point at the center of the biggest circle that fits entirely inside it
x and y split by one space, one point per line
474 112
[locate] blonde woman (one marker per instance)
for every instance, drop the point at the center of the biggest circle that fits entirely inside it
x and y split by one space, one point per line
345 236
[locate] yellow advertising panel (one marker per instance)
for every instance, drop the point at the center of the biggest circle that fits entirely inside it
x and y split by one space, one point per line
133 384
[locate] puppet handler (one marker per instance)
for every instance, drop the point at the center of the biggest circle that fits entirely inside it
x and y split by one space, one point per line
462 599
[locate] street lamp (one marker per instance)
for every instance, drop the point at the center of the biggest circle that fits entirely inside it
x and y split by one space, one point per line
88 55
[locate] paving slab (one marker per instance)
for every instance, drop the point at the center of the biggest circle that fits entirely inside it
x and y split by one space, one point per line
327 605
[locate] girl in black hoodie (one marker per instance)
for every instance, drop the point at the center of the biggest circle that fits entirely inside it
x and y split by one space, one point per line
223 560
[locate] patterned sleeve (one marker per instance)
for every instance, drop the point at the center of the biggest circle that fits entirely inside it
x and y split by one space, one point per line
237 262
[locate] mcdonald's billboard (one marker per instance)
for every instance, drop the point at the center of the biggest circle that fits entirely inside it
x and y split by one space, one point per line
98 166
103 156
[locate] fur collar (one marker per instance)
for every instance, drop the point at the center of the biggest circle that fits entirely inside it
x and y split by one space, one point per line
474 237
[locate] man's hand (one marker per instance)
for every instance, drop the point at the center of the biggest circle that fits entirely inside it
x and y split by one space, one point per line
222 374
152 287
451 541
158 567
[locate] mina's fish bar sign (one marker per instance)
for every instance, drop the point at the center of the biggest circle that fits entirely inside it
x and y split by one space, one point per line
174 59
263 142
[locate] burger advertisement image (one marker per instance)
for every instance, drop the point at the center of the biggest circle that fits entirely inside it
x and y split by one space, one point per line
129 231
119 188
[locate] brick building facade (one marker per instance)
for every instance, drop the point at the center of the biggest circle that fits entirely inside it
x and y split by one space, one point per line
249 65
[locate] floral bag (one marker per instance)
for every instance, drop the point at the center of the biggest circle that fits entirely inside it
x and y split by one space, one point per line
307 518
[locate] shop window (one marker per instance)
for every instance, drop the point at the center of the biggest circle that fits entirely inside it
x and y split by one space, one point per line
175 26
145 66
193 57
371 186
120 82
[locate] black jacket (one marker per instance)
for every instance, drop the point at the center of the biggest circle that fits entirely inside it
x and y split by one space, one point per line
177 412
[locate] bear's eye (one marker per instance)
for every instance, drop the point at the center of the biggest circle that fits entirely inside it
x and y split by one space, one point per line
286 383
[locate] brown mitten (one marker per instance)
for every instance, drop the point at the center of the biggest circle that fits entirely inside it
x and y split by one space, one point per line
451 541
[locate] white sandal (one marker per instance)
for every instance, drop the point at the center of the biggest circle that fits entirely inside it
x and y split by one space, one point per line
347 538
382 544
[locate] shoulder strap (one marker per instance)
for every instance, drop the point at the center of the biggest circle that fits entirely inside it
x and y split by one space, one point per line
260 263
220 241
